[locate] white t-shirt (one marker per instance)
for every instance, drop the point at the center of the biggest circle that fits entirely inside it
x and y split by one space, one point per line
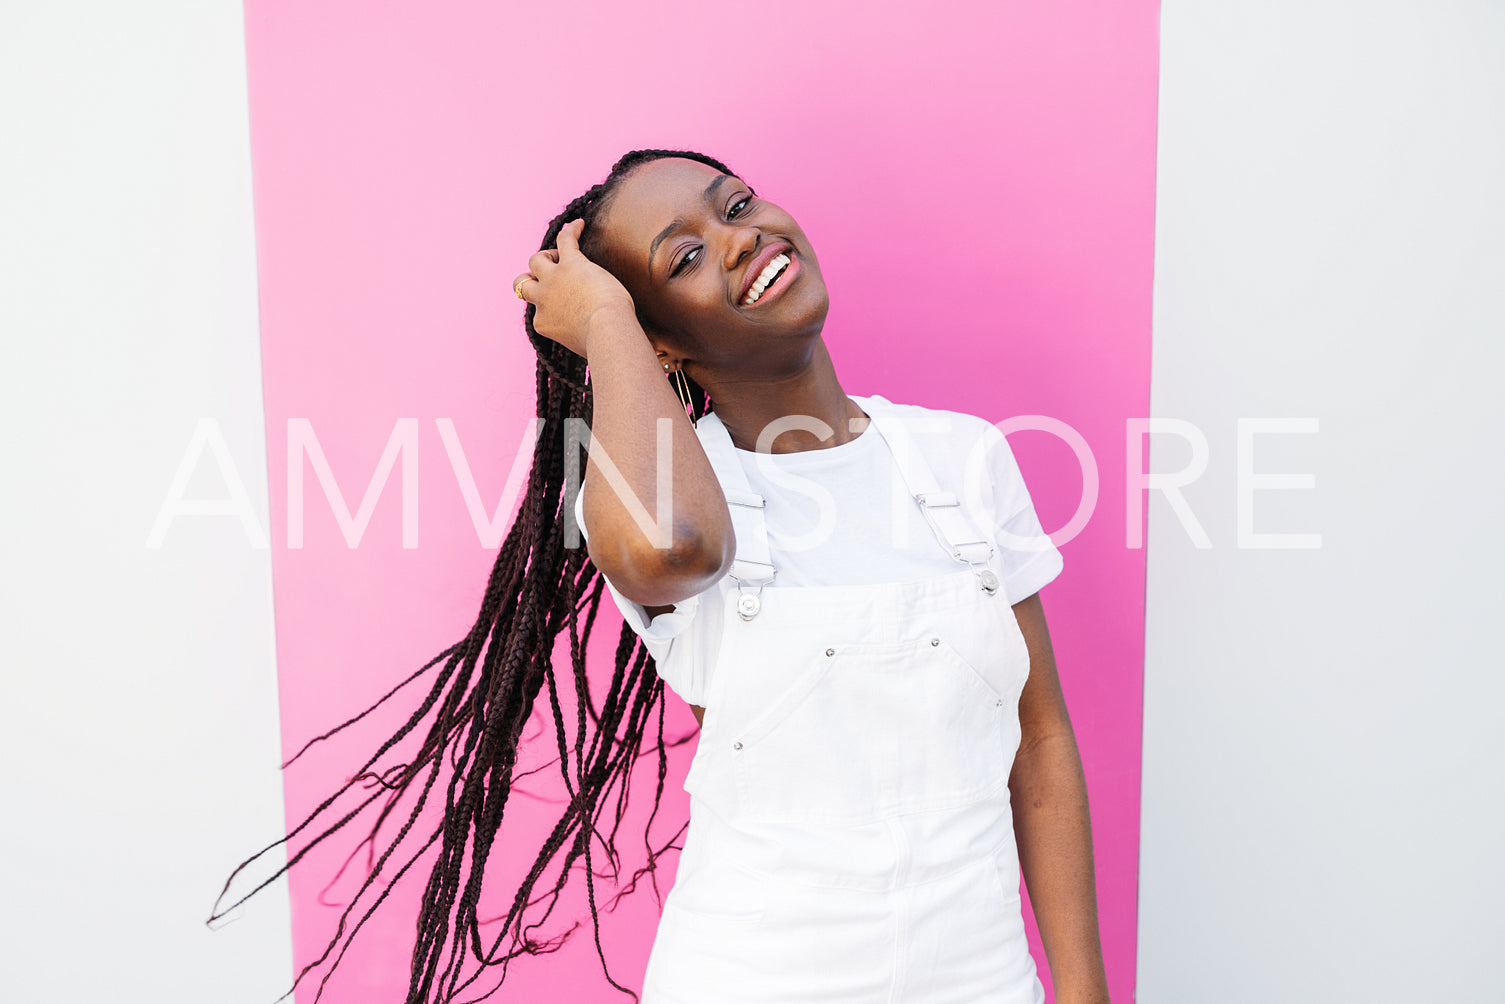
842 515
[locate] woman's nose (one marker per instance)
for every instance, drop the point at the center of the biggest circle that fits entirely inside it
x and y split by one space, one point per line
741 243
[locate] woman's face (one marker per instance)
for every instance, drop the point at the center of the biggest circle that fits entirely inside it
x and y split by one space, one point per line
688 242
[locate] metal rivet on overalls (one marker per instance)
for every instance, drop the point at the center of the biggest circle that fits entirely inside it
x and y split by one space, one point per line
747 606
830 651
989 581
935 641
738 745
998 703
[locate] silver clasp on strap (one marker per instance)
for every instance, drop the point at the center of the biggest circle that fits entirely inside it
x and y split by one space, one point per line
973 553
751 577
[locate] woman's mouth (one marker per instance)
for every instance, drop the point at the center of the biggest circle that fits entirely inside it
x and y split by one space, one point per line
772 280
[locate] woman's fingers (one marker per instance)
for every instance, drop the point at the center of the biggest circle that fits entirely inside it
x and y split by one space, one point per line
545 261
568 240
542 261
567 288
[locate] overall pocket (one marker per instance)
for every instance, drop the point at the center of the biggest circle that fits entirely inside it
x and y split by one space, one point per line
871 730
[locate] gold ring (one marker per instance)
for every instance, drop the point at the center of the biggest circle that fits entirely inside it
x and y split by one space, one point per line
517 287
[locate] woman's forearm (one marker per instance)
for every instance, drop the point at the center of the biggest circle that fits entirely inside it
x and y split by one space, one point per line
1054 833
630 398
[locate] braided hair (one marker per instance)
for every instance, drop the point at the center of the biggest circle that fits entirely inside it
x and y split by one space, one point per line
483 692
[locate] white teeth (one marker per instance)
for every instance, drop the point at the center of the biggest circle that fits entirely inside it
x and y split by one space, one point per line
765 277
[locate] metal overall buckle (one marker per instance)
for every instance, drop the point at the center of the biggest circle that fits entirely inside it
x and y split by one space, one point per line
748 603
986 576
978 560
747 572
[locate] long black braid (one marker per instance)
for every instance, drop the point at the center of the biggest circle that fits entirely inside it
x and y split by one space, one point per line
483 694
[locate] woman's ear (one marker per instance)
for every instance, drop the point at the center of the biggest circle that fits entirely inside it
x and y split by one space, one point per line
661 350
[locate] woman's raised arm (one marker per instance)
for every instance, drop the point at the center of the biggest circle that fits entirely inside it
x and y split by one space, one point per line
584 307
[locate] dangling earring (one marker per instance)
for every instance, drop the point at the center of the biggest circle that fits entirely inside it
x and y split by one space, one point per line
681 388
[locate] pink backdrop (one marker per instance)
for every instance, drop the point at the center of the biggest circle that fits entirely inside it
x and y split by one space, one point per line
977 179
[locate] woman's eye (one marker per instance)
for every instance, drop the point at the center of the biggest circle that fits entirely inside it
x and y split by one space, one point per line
735 210
688 257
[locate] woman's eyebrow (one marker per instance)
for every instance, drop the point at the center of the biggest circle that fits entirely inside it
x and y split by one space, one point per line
708 194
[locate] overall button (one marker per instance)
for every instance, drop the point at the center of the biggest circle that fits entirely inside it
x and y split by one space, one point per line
738 744
830 651
747 606
935 641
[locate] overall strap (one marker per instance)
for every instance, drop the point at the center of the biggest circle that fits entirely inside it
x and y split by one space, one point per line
942 510
751 567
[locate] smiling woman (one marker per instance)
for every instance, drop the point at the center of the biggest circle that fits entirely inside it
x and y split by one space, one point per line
698 284
884 743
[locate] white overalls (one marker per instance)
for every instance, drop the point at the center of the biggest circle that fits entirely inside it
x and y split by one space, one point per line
850 839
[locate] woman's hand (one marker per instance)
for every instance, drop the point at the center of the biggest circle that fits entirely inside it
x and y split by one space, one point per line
568 289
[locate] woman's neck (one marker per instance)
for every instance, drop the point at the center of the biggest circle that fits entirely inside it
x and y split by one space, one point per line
804 410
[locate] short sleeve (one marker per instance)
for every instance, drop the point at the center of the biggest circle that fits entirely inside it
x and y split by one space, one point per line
1030 561
658 635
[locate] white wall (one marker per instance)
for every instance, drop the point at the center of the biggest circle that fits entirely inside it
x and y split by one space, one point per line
138 729
1323 752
